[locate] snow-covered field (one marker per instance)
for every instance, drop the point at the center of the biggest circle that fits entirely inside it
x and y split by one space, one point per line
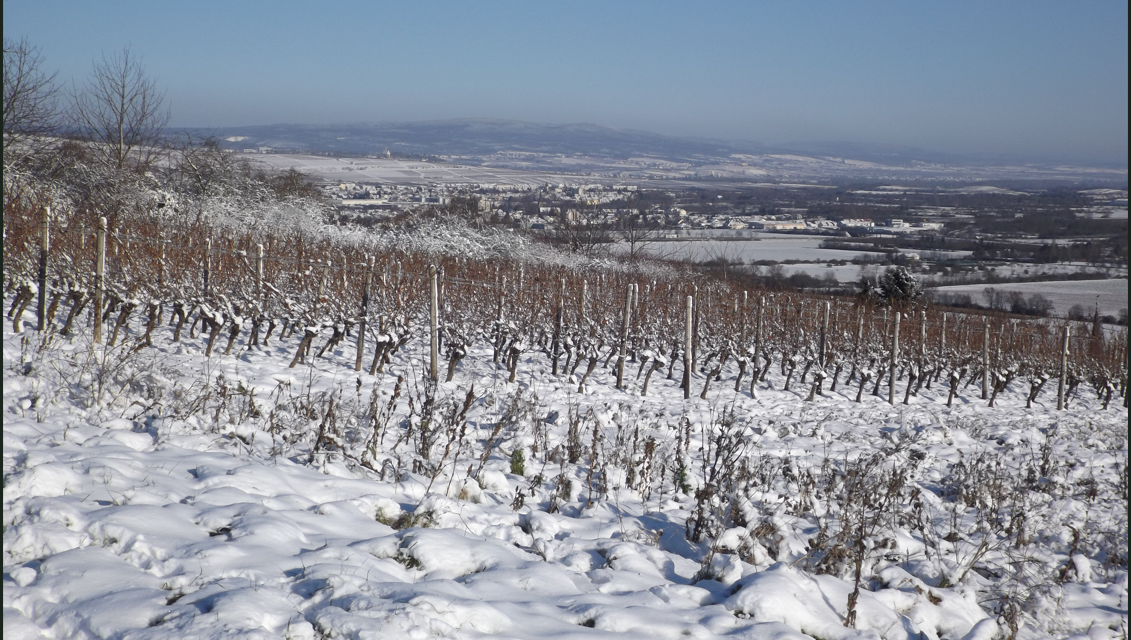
1111 295
406 172
156 493
1016 269
522 168
766 247
842 273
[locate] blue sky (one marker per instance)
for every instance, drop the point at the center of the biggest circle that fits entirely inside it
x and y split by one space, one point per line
1035 79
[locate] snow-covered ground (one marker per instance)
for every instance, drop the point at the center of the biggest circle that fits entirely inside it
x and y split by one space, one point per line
1017 269
406 172
1110 295
777 248
537 169
156 493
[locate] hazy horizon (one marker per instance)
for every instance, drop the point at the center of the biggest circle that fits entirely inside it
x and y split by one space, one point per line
1035 80
777 147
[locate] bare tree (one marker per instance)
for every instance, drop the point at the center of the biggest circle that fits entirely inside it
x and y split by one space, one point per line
203 167
637 233
293 182
580 230
727 258
121 111
30 107
995 300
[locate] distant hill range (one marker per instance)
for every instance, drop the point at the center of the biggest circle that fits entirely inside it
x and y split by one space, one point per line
471 138
503 142
483 137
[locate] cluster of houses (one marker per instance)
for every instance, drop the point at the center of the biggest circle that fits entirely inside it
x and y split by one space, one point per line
554 203
825 225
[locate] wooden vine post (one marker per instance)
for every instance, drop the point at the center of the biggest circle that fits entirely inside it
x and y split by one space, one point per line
985 357
758 345
99 276
694 332
44 246
687 360
556 347
922 336
742 315
821 358
859 338
624 336
942 339
894 359
364 312
581 303
922 352
207 262
322 282
1126 366
434 322
633 313
162 242
881 374
1063 370
499 333
259 275
441 279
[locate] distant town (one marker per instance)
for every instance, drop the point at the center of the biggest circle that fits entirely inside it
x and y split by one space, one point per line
972 213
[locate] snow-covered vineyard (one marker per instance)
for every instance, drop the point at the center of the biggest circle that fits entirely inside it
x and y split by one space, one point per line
224 461
155 492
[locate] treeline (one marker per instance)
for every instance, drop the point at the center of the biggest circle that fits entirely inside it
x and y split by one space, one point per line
1017 303
1112 250
1013 302
1055 222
